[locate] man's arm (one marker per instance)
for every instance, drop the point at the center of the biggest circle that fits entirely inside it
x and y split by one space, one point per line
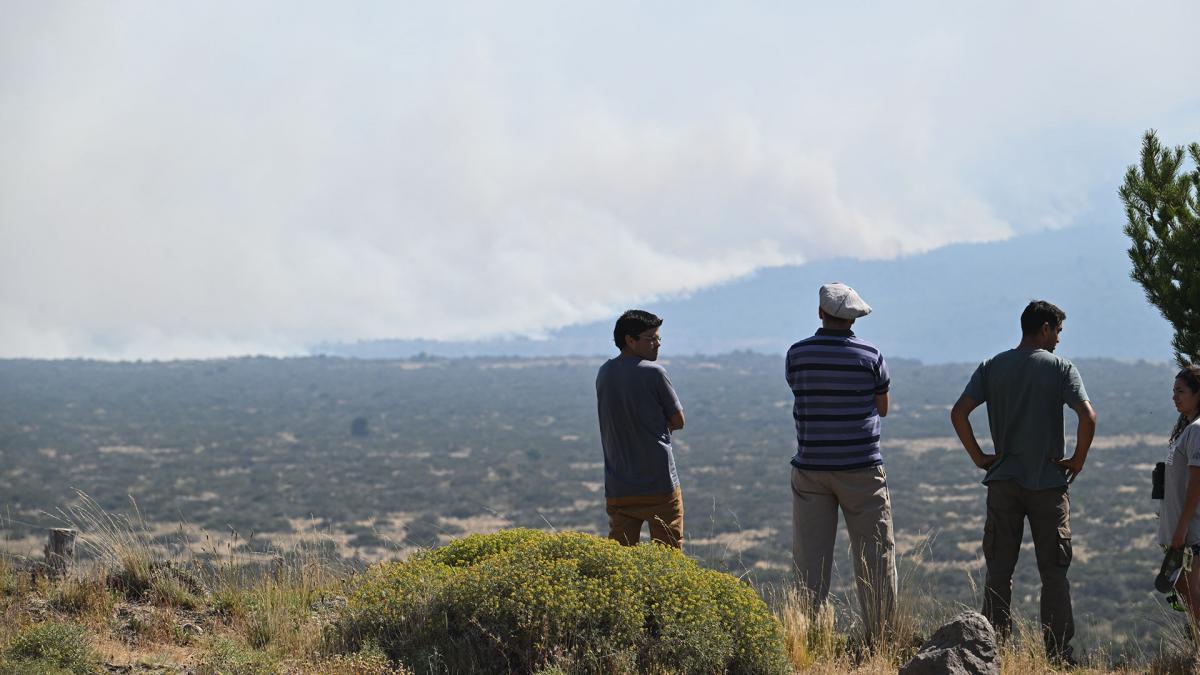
667 398
883 383
1083 440
960 417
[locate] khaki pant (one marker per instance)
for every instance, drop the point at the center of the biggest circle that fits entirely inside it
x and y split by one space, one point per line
664 513
863 497
1049 514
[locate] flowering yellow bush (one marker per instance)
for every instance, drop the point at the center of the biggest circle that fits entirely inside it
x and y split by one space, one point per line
524 600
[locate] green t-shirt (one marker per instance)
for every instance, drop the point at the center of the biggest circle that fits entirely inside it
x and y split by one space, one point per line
1025 392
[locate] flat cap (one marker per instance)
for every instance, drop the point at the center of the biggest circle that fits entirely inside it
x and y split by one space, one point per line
841 301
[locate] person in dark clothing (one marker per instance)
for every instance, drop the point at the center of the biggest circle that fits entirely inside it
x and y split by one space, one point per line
638 410
1027 475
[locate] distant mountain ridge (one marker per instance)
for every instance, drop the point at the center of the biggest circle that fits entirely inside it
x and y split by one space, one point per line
959 303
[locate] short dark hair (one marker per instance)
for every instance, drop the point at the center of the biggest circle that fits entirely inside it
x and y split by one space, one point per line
1039 312
634 322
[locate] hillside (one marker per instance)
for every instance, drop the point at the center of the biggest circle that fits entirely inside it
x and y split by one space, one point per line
129 610
955 303
258 454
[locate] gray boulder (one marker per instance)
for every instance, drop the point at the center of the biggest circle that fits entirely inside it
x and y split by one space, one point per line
967 644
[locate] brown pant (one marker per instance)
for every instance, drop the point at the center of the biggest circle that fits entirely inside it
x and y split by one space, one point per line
866 503
1049 514
664 513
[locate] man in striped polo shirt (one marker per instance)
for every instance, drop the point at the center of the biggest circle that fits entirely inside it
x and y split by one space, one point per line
841 385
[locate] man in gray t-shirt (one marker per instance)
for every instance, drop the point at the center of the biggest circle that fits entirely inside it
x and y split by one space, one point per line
638 410
1027 476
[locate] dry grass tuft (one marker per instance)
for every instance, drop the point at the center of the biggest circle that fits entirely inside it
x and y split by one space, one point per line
117 543
810 634
85 595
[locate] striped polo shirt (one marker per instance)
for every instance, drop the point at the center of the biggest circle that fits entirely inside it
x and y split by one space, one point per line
835 377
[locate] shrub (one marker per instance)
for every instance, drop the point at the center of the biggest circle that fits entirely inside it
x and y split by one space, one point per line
369 661
169 588
228 657
50 647
527 600
82 595
273 614
228 603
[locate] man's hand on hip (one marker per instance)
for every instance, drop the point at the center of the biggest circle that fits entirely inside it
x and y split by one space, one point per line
984 460
1073 465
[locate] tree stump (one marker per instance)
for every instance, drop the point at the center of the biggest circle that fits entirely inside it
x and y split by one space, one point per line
60 551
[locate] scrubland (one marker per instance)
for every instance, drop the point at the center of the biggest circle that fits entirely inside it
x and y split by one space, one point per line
514 601
261 504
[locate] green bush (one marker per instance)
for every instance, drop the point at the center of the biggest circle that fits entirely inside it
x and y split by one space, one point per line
50 647
229 657
525 600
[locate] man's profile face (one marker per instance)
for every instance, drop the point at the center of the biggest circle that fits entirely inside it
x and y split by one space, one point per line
1050 336
644 346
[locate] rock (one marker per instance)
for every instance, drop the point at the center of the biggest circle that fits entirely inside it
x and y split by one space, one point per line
967 644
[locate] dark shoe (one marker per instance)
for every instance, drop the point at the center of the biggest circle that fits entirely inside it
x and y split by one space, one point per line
1169 572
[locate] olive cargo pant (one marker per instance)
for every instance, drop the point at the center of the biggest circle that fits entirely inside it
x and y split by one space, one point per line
1049 513
863 497
664 513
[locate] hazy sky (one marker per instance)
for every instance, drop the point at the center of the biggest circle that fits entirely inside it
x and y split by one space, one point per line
213 178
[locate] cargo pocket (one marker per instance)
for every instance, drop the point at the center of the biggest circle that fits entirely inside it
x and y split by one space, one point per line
1064 546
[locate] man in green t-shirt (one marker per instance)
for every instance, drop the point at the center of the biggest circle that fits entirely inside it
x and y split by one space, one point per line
1028 476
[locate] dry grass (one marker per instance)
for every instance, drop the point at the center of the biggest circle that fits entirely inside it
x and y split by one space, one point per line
86 596
228 612
832 639
116 542
275 606
14 587
817 647
811 637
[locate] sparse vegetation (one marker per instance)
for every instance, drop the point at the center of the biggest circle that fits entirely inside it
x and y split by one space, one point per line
370 661
227 656
87 595
51 647
199 441
519 600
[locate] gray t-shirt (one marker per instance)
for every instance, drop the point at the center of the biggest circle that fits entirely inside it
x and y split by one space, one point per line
1183 453
1025 391
634 398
